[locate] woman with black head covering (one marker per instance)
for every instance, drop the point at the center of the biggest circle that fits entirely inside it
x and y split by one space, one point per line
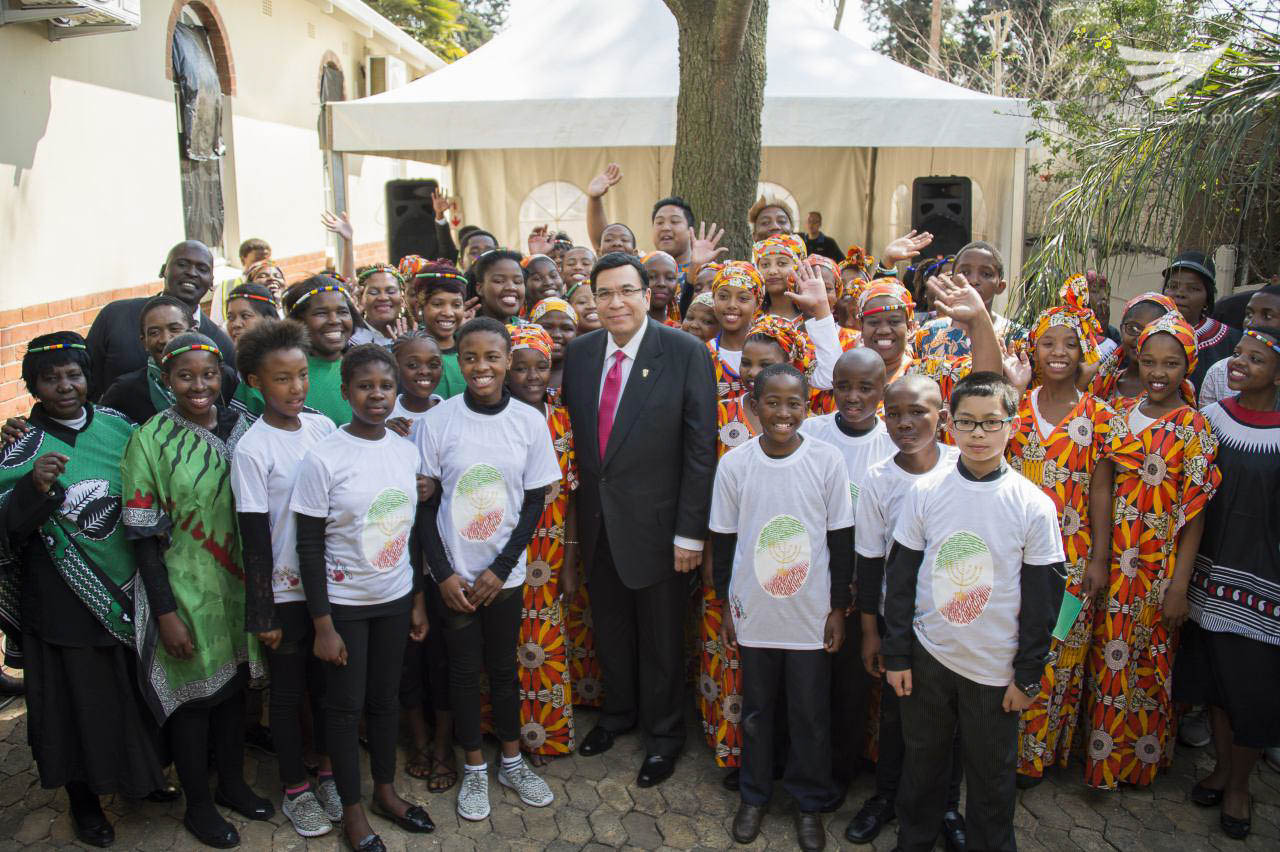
65 560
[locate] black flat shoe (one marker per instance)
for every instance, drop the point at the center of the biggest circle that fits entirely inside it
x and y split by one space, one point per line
1028 782
415 819
598 741
655 770
875 814
730 781
94 831
1205 797
252 807
1236 829
222 838
372 844
810 835
167 793
10 685
746 822
953 831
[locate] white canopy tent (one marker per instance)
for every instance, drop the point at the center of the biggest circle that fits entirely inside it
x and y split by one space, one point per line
527 120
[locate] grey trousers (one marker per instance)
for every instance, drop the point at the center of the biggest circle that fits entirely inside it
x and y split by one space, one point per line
940 700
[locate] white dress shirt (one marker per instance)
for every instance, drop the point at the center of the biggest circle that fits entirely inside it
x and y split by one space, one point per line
630 350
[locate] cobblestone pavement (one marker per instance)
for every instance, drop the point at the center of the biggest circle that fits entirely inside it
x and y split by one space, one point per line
598 806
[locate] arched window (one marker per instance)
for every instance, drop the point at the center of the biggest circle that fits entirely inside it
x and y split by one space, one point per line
558 204
778 192
198 62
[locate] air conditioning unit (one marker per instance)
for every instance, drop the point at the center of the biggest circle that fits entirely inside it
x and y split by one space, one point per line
385 73
67 20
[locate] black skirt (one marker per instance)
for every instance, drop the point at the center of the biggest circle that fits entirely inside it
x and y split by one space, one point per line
1235 673
85 721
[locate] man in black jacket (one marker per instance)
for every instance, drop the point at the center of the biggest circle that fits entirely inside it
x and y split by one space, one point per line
115 347
642 401
817 242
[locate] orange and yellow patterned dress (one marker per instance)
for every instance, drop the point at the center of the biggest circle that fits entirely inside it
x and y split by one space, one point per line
1164 477
719 677
1062 464
543 650
728 382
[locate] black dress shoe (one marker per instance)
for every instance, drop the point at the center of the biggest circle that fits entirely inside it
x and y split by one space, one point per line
1236 829
1028 782
165 793
248 804
415 819
655 770
372 843
93 830
598 741
874 815
224 837
10 685
731 781
746 822
953 831
1206 797
809 831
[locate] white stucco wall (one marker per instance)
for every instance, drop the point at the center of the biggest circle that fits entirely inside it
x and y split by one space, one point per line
90 198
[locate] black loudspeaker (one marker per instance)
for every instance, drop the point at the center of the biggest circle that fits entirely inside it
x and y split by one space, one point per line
411 219
943 206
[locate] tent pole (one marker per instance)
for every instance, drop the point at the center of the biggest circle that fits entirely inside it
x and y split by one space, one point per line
1017 225
871 201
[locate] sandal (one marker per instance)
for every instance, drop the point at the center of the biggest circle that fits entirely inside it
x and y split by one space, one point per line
419 764
443 775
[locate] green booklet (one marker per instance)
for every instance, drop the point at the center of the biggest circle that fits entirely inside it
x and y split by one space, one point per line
1071 606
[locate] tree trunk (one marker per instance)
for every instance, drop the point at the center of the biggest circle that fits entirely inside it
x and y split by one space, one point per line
722 72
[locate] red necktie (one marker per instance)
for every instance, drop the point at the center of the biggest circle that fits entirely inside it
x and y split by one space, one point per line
609 399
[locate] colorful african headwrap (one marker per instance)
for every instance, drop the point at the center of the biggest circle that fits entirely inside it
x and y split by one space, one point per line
530 336
527 260
900 298
785 335
1150 296
554 303
1074 313
856 258
780 244
411 265
739 273
253 269
1173 323
380 267
704 298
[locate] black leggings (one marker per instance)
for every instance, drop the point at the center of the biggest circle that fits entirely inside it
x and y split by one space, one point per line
295 670
370 681
424 677
191 726
485 641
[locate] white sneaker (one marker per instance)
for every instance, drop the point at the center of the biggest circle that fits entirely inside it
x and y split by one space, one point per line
532 789
327 795
473 794
1193 729
307 816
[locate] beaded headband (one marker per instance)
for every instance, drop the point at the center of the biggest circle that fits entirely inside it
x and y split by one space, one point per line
1261 338
327 288
54 346
891 306
442 275
194 347
381 267
254 296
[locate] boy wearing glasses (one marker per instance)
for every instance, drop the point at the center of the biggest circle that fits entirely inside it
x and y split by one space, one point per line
974 586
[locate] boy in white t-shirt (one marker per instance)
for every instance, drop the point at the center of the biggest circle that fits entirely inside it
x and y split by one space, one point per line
780 519
971 598
857 385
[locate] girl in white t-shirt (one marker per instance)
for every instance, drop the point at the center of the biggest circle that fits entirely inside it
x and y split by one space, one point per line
420 367
493 459
355 500
272 358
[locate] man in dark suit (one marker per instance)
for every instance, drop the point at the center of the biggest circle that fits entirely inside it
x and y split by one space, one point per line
642 401
115 340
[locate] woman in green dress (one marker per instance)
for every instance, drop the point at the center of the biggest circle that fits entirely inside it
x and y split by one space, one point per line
68 573
195 653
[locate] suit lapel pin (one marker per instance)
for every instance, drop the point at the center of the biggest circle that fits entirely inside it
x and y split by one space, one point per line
644 374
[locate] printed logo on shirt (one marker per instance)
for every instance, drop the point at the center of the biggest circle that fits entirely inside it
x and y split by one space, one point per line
853 495
963 575
782 556
285 579
479 502
386 528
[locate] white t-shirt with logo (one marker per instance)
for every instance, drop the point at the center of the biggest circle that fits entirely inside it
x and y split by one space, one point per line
368 493
975 537
484 463
414 417
880 503
264 468
860 452
781 511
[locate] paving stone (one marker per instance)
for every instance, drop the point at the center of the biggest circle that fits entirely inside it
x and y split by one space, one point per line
677 830
642 831
574 826
606 826
648 800
35 826
614 794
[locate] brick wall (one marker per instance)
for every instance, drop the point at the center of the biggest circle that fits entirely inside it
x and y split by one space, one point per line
76 314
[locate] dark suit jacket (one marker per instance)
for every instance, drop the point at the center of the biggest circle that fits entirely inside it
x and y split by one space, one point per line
115 344
655 479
